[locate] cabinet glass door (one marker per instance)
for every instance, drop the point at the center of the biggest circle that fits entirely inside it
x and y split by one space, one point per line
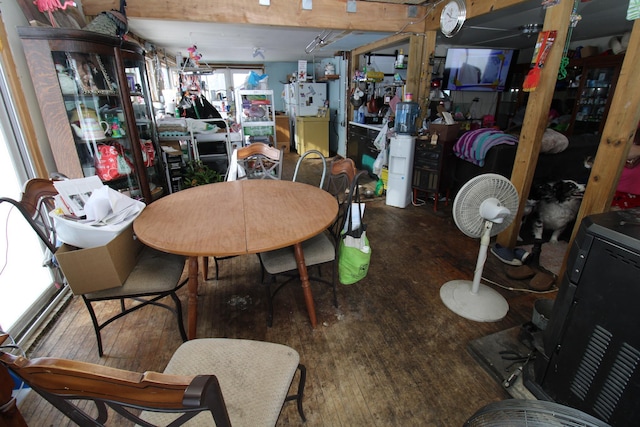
593 103
95 112
143 117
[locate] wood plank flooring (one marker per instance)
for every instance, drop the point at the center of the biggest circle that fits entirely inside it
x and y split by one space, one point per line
391 354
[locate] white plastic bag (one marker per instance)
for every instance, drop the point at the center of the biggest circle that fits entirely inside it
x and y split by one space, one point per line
380 161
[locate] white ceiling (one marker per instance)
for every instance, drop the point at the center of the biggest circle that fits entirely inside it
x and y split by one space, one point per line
230 43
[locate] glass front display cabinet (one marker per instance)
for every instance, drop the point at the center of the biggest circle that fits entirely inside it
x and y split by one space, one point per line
93 94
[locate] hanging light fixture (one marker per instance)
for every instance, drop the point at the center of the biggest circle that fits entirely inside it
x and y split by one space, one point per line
319 40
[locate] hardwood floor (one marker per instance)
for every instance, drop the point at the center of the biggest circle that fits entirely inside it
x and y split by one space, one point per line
391 354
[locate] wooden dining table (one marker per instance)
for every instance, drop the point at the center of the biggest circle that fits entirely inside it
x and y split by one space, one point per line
237 218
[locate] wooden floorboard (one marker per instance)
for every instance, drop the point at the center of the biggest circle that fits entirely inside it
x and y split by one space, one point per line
390 354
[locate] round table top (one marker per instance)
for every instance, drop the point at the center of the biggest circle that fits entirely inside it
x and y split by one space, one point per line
236 217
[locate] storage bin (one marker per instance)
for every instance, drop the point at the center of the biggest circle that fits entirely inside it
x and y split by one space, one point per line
81 235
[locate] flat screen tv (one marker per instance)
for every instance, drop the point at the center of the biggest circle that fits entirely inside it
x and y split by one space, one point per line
477 69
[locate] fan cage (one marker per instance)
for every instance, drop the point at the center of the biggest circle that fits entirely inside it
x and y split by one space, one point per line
466 205
531 413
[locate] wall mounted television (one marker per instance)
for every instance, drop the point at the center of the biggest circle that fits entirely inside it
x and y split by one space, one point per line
477 69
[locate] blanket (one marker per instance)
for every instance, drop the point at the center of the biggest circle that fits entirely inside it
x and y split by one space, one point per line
474 145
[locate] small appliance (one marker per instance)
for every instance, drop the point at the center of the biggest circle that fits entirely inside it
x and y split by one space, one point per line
406 116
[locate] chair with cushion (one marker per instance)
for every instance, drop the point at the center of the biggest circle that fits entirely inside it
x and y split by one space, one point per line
342 172
255 161
308 161
155 276
258 161
318 250
211 381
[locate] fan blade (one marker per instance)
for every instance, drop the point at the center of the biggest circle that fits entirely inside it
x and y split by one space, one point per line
497 39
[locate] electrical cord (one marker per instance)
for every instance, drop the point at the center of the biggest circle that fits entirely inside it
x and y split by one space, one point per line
6 241
509 288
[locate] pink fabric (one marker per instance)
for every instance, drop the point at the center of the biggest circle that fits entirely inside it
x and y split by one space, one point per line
629 180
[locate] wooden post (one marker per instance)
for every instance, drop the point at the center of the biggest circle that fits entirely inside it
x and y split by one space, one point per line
536 116
425 72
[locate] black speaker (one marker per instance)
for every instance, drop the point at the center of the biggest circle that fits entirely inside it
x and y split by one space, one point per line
591 347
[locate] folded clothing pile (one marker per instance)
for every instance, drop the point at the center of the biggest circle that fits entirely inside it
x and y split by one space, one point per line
172 127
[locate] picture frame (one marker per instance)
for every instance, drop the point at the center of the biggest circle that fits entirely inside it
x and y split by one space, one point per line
131 82
90 73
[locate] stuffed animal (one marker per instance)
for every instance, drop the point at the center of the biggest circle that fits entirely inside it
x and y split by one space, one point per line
194 56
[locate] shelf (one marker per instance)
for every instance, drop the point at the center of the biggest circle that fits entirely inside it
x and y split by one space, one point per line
264 125
328 77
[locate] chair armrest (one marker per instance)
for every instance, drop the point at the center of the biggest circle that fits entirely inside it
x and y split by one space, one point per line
60 381
64 377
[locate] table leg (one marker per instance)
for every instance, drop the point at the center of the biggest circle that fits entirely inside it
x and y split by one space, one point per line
192 304
306 286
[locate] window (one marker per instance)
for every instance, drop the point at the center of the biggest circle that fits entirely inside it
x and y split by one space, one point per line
217 85
26 285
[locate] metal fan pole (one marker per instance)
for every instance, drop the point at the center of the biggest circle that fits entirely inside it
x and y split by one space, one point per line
485 240
473 300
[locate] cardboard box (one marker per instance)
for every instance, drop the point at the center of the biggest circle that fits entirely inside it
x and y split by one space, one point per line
587 51
445 132
102 267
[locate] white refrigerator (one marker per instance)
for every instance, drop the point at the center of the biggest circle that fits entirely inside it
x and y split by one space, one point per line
304 99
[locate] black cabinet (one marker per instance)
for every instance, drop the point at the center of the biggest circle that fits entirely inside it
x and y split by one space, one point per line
360 146
590 350
592 93
432 165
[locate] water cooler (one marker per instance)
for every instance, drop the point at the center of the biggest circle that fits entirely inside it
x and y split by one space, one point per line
401 151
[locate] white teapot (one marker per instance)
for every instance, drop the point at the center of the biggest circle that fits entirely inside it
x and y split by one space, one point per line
87 124
91 129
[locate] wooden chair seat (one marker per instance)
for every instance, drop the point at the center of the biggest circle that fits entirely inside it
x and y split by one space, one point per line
207 382
254 377
155 272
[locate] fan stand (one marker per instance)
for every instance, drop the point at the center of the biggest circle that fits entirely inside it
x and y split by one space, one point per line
471 299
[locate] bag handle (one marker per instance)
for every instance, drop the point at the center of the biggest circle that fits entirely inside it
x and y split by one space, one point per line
355 194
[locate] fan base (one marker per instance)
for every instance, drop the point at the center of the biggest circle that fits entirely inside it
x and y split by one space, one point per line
485 306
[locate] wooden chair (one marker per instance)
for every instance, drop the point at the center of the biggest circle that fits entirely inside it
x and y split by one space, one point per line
255 161
259 161
155 276
318 250
342 173
222 381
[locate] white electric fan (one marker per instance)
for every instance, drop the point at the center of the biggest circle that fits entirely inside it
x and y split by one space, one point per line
483 207
531 413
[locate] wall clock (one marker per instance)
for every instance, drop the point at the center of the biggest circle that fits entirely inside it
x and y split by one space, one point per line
452 17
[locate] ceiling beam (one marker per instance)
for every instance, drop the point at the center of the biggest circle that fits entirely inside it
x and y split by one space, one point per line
378 17
370 16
